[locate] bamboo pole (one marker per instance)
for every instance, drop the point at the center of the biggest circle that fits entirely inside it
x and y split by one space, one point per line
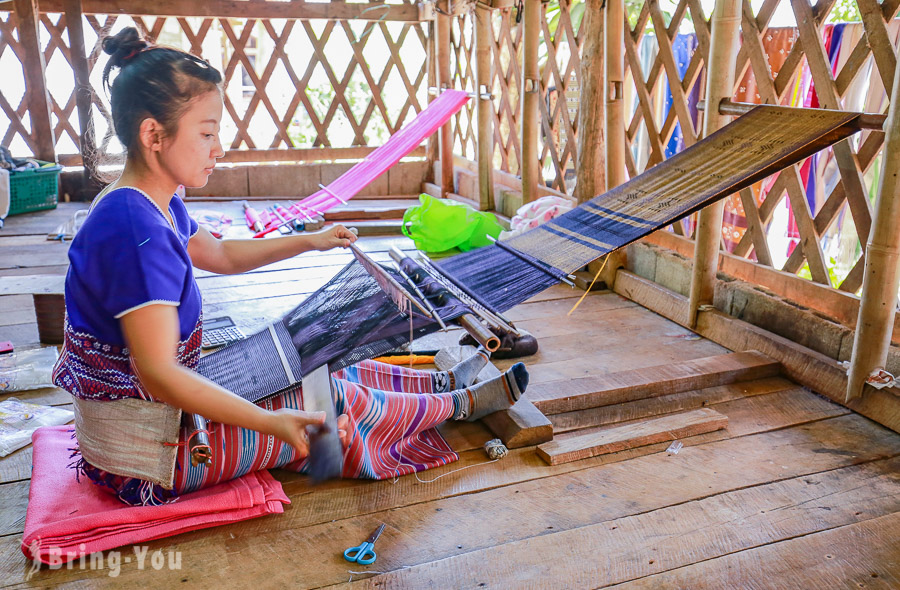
432 150
443 67
590 178
882 275
531 165
83 93
36 97
726 28
483 80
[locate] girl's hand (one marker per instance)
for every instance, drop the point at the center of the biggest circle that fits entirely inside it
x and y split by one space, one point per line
336 236
290 426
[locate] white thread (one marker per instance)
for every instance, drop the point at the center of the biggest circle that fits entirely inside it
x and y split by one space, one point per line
352 573
454 471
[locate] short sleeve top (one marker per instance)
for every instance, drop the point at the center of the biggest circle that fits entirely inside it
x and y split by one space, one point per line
127 256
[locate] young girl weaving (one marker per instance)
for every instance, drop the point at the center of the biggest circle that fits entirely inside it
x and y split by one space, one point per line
133 329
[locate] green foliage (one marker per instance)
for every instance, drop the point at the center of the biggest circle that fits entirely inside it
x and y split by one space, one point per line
833 277
553 11
844 11
303 133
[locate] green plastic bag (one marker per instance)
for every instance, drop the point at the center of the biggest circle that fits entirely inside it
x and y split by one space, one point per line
442 224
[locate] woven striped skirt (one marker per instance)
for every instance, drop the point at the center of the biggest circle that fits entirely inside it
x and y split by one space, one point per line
392 412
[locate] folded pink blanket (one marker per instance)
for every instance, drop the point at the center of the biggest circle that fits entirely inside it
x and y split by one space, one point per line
67 519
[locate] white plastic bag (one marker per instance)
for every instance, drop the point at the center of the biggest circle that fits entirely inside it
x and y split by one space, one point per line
18 420
29 369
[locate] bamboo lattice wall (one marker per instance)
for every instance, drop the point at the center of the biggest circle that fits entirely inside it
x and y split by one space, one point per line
560 74
290 83
292 97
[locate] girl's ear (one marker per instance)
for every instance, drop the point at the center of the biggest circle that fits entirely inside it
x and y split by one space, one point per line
150 134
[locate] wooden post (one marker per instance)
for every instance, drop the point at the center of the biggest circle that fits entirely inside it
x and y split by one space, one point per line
614 119
83 92
726 27
882 275
36 96
484 86
590 179
443 67
531 165
432 153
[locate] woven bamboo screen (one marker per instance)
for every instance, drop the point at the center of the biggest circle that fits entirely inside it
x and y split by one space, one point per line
560 47
290 83
814 218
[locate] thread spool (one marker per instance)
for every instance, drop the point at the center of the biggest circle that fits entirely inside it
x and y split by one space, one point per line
495 449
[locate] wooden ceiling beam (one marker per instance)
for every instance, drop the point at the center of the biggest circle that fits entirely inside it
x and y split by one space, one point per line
243 9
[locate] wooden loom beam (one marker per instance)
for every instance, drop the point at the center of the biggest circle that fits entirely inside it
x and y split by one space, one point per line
882 274
726 23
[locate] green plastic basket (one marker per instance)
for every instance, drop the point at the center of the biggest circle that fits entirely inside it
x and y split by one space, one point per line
34 189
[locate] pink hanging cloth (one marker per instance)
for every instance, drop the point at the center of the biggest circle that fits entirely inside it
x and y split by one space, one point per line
381 159
67 518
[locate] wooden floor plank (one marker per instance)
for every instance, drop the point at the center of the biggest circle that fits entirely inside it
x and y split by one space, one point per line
860 555
439 529
330 501
628 436
597 555
666 404
568 395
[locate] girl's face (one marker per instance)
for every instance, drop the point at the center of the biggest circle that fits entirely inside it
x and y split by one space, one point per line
190 156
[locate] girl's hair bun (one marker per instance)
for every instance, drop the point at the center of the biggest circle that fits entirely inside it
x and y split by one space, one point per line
123 46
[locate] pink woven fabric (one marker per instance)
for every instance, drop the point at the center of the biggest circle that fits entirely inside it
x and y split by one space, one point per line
67 519
380 160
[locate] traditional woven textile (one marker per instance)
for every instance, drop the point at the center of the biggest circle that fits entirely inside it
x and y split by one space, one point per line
67 518
762 142
351 318
392 413
381 159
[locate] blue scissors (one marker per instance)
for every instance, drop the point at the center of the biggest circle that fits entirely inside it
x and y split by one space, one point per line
363 553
